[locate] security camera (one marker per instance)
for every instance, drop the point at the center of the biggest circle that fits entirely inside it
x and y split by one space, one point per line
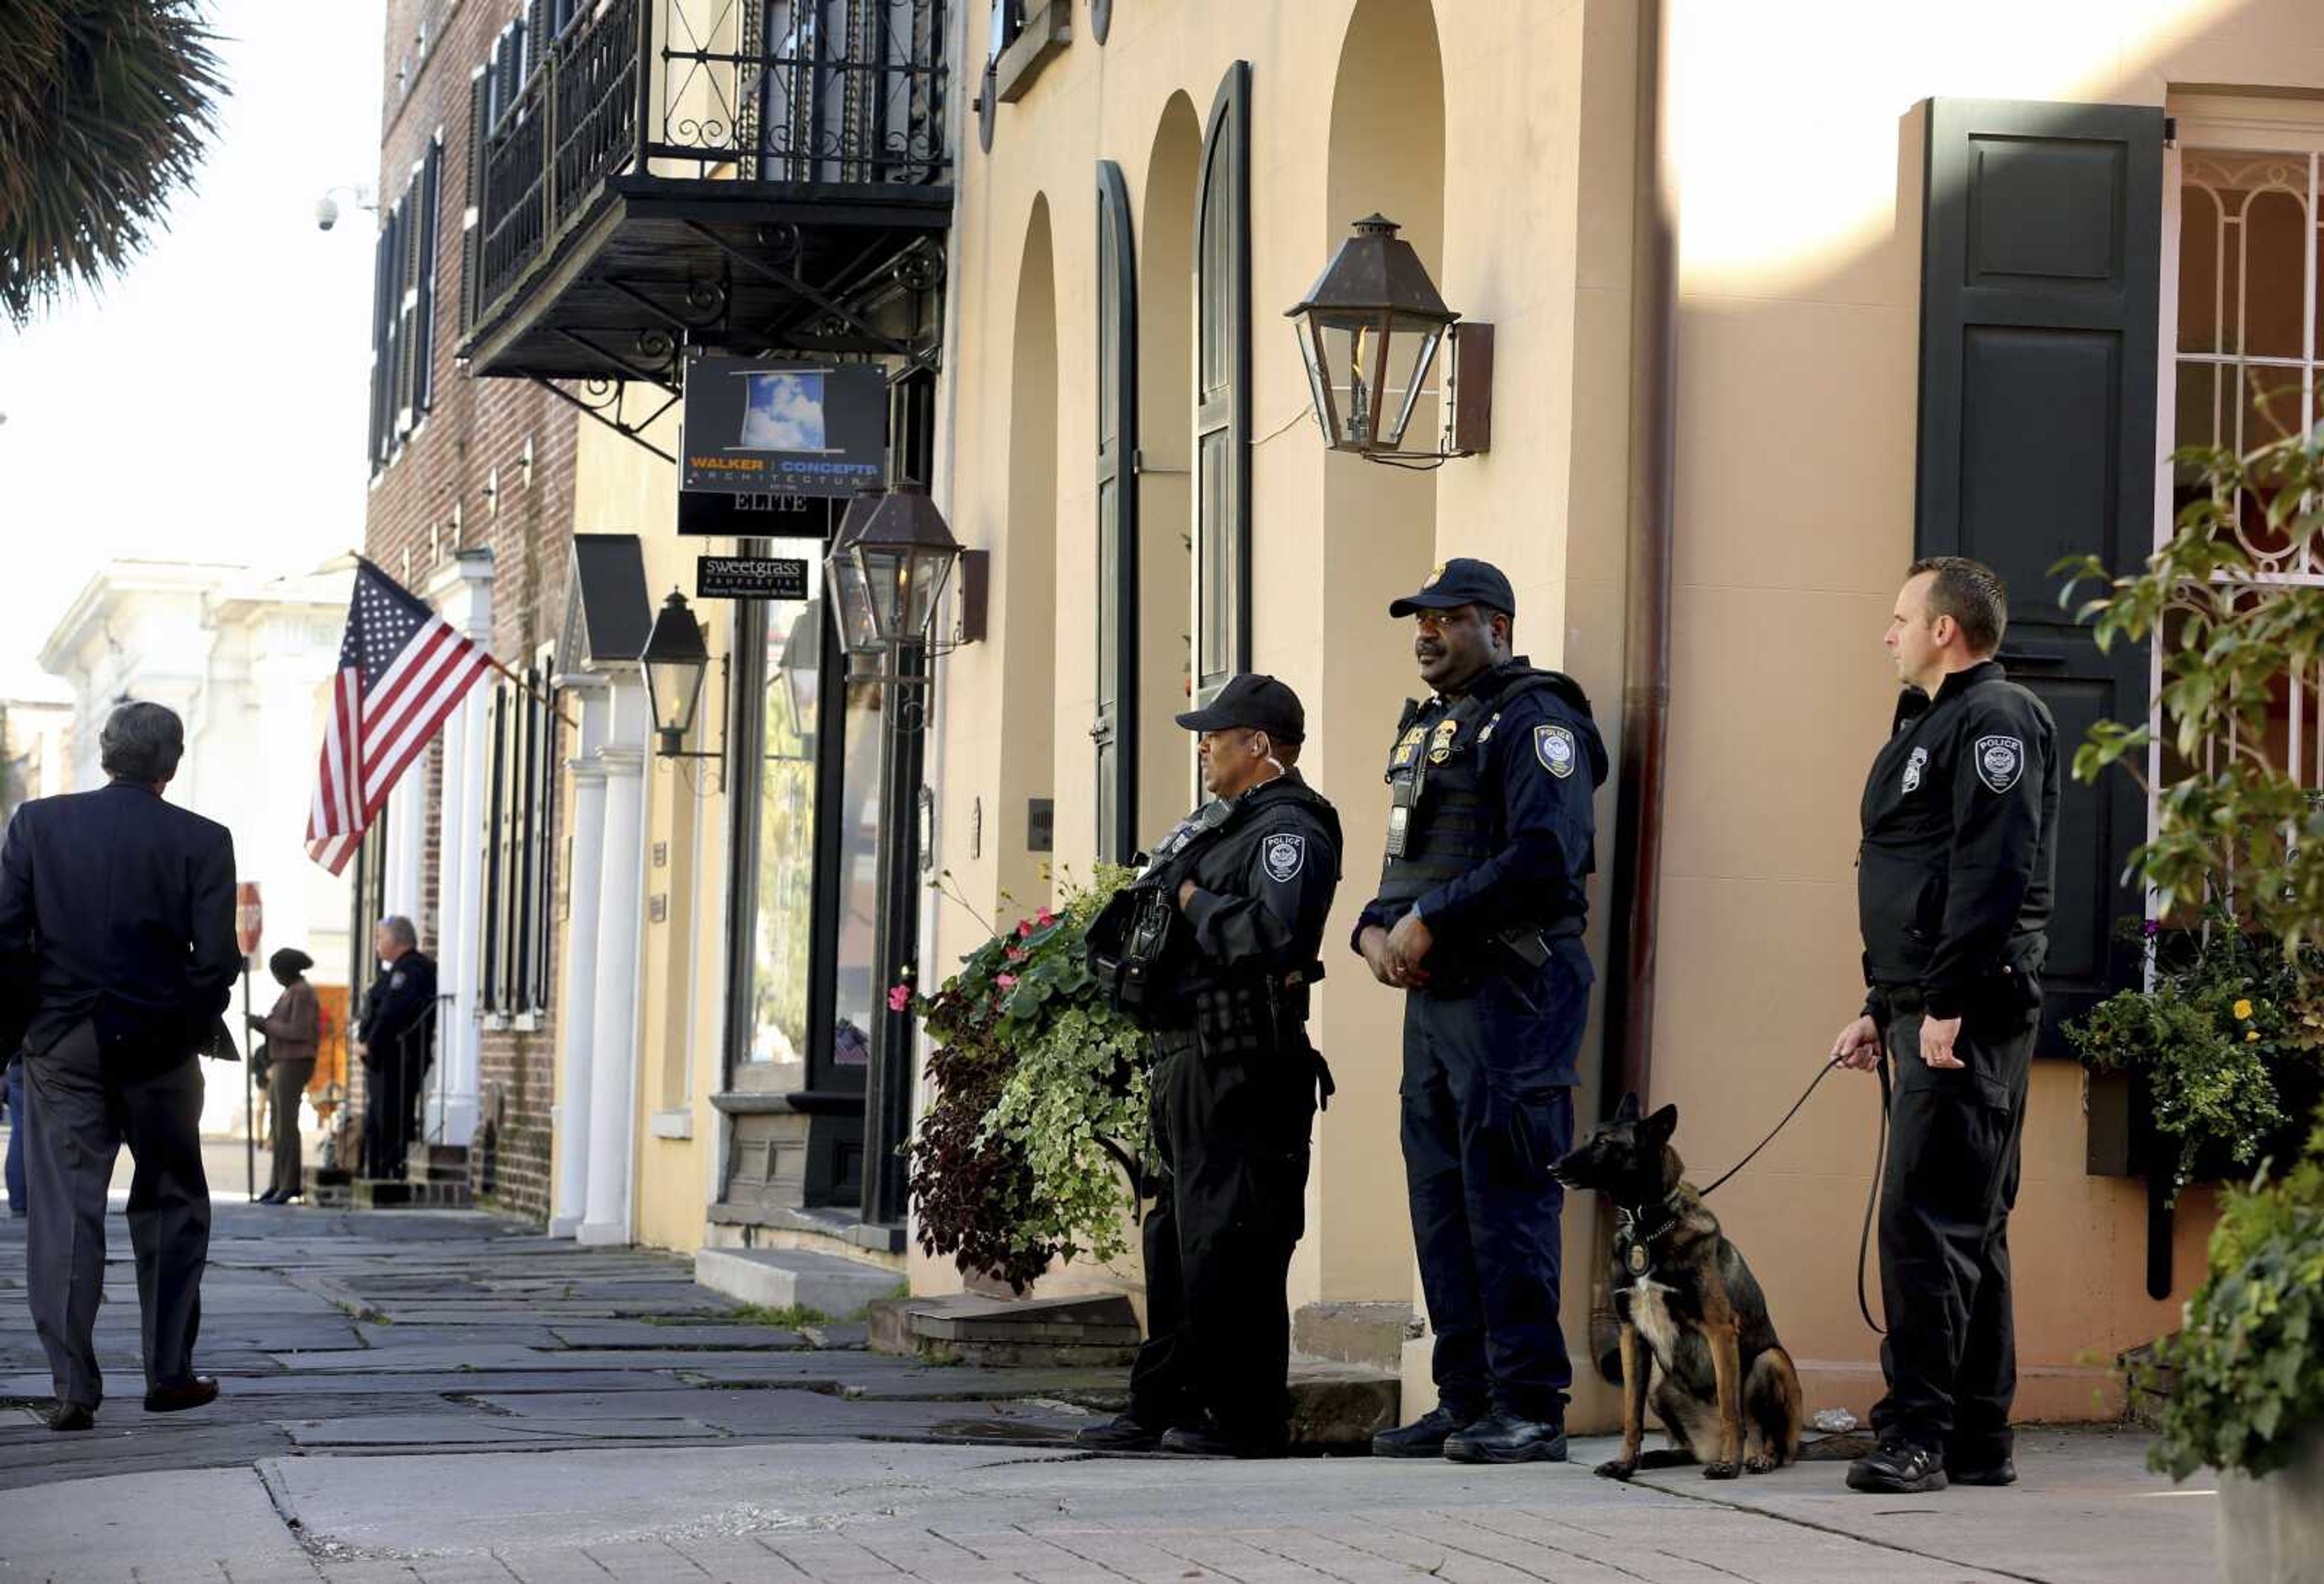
327 212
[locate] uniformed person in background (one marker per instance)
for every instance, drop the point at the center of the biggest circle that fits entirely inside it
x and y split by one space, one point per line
396 1043
1479 919
1953 889
1212 949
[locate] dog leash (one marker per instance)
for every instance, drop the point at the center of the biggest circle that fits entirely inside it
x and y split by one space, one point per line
1872 1196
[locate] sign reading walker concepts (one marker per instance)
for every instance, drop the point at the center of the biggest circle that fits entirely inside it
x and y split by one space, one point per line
748 577
780 428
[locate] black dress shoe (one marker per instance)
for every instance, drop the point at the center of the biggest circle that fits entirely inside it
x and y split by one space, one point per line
72 1416
1207 1441
1502 1437
268 1197
197 1393
1123 1433
1897 1467
1424 1436
2004 1472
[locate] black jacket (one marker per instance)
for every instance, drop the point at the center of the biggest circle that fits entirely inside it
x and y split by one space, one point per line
399 1017
1955 874
117 907
1264 888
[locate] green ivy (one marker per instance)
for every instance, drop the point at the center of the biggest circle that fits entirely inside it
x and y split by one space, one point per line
2245 1377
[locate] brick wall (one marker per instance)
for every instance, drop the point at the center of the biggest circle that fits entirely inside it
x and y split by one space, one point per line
460 481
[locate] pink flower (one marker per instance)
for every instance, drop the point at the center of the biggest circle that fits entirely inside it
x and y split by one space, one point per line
1047 917
1005 980
1015 956
1024 927
899 998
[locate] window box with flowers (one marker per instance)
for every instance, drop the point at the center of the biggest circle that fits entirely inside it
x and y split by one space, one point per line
1030 1149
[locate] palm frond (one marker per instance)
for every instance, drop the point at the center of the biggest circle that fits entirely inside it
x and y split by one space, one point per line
105 107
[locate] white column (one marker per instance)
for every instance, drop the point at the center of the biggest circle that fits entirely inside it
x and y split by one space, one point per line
577 1019
465 596
405 892
613 1038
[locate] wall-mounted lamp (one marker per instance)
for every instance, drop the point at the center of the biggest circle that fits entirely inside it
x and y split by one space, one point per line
1371 330
887 565
677 658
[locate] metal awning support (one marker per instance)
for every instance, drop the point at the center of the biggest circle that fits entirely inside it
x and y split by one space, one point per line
921 358
632 432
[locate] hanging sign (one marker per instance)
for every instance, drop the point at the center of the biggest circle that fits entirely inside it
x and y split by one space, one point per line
749 577
783 428
701 514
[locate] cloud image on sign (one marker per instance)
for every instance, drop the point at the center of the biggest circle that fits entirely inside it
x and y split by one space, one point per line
784 412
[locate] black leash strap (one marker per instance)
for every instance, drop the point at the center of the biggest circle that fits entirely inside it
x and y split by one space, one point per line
1871 1200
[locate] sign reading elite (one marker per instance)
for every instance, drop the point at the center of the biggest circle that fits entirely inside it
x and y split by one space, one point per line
748 577
756 429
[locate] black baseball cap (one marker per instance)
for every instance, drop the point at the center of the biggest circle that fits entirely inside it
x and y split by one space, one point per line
1462 581
1257 701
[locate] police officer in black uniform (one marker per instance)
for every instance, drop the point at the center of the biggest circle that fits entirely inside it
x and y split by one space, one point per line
1212 949
1491 836
1954 895
396 1043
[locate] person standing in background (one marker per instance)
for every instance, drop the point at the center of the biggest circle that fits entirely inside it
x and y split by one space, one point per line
293 1032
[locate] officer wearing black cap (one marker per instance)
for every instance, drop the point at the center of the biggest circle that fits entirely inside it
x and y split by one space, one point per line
1479 919
1213 948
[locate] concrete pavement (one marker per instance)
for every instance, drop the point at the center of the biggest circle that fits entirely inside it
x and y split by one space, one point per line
443 1397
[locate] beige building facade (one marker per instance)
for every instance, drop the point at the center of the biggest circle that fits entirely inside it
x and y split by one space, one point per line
1534 155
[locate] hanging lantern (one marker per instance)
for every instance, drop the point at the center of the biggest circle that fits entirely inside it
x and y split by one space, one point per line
1370 331
888 563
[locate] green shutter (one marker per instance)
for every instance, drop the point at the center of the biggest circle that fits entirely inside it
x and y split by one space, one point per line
2042 259
1222 624
1115 731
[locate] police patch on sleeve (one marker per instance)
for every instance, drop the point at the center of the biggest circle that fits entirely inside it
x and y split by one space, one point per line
1555 748
1285 854
2000 761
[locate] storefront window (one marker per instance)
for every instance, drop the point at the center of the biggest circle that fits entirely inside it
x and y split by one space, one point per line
782 960
856 995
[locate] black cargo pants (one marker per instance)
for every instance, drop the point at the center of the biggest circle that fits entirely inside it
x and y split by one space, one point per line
1951 1355
1229 1205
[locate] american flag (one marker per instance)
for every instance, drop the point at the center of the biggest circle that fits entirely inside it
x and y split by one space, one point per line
402 670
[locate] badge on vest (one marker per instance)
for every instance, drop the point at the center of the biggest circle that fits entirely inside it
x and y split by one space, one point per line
1913 770
1553 746
1285 854
1440 750
395 980
1409 747
2000 761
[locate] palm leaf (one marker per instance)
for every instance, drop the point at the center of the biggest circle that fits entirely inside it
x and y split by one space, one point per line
104 108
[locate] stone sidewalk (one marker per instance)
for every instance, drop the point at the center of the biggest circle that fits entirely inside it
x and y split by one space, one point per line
435 1399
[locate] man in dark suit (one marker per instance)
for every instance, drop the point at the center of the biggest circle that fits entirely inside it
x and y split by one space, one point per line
396 1042
117 955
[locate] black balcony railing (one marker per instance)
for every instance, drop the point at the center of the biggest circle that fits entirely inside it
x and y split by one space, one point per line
769 93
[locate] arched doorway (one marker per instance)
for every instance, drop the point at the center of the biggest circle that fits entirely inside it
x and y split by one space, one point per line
1387 155
1165 351
1029 578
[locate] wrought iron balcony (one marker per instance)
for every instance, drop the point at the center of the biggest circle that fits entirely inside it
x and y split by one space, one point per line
756 173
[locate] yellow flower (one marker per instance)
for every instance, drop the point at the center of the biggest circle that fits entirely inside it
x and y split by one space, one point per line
2243 1009
2251 1036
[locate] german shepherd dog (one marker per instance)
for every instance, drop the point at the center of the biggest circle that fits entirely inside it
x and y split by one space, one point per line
1696 1338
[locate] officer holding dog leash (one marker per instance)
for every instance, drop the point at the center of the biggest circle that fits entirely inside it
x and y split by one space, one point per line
1212 949
1953 888
1479 920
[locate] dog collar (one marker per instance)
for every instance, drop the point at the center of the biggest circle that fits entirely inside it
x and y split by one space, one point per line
1629 1237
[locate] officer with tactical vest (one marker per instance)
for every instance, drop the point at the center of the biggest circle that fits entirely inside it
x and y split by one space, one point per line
1490 839
1213 948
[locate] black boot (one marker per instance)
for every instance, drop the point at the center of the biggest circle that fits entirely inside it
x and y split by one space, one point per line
1981 1472
1424 1436
1898 1467
1123 1433
1212 1440
1503 1437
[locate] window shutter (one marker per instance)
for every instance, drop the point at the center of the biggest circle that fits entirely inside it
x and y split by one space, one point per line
407 226
1115 731
538 33
1222 390
495 853
2042 257
382 316
524 790
472 221
431 232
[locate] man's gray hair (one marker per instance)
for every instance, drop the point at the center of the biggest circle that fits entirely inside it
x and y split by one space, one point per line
142 743
399 927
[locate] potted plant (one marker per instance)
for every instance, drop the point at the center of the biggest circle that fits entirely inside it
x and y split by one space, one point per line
2231 614
1031 1148
2245 1377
